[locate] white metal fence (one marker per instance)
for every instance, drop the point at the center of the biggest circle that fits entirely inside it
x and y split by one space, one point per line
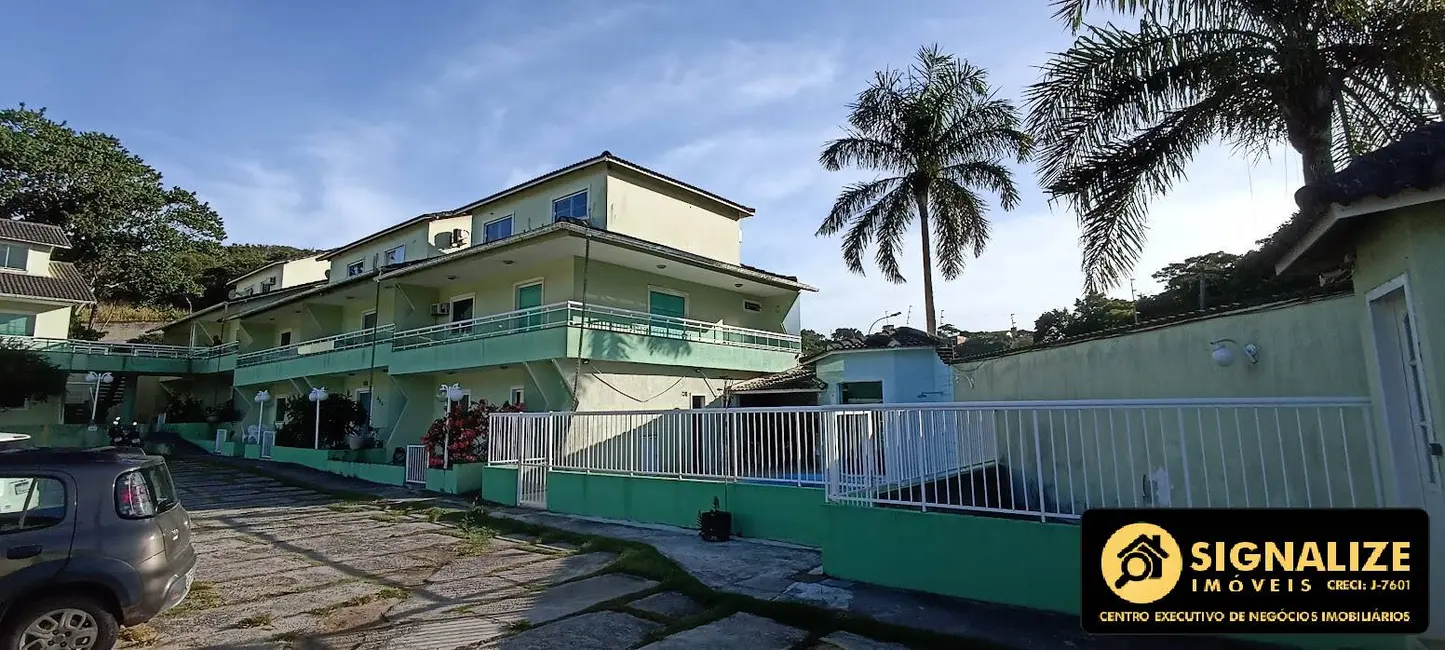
417 461
1042 459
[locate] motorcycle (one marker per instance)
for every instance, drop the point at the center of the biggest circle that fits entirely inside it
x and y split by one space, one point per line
124 436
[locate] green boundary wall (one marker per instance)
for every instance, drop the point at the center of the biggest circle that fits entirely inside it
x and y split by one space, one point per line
499 485
460 479
783 513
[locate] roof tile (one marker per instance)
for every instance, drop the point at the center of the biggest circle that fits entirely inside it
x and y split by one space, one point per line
33 233
64 283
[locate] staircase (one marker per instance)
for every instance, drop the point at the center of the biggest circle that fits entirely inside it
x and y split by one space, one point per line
110 395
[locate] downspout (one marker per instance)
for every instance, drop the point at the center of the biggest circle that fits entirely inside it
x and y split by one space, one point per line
371 373
586 262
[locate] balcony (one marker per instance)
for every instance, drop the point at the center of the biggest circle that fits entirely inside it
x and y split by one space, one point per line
349 352
144 358
572 329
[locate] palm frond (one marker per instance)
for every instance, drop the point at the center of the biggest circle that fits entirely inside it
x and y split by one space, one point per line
856 149
985 174
870 224
855 198
960 227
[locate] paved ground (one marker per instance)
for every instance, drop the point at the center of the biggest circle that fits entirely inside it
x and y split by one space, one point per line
286 567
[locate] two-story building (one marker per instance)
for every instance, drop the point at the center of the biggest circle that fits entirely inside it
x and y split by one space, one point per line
603 285
281 275
37 296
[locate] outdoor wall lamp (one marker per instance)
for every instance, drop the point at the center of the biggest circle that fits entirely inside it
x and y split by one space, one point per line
1224 357
261 398
453 394
98 380
318 395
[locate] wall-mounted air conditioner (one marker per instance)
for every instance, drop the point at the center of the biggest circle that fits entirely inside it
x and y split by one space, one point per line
459 238
441 309
752 305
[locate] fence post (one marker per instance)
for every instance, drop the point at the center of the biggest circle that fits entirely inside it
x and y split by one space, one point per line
733 431
1038 468
1184 459
922 486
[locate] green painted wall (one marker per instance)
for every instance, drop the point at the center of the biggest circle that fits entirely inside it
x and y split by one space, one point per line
58 435
324 363
1174 361
313 458
499 485
627 288
460 479
789 514
657 350
375 473
511 348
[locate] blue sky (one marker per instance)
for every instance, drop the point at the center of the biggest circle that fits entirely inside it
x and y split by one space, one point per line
313 123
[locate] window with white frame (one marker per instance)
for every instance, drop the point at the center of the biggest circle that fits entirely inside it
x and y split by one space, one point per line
498 229
17 325
394 256
570 207
13 256
356 268
517 397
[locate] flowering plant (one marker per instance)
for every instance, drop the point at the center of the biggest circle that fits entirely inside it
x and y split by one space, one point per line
464 432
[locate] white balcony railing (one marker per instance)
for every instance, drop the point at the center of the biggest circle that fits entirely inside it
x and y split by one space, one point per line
76 346
347 341
1051 460
594 317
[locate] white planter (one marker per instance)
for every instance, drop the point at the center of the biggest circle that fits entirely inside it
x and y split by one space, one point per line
355 441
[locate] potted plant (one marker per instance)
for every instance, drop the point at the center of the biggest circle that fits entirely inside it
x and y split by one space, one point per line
715 525
355 439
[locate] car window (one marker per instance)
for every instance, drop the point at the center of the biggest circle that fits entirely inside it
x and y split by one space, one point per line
28 502
163 490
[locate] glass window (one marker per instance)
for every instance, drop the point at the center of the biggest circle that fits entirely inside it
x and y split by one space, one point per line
395 256
17 325
570 207
499 229
285 339
27 503
368 320
356 268
861 392
163 490
13 257
518 397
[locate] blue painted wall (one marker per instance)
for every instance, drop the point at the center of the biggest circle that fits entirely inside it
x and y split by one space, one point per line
909 375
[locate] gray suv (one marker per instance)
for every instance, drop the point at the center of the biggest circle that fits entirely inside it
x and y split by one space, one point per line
92 539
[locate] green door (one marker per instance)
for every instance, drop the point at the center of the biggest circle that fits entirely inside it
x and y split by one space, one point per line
528 297
666 306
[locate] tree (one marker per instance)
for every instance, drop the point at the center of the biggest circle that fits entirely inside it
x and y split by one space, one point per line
27 375
130 233
1121 112
939 135
1092 313
215 269
846 334
813 342
1052 325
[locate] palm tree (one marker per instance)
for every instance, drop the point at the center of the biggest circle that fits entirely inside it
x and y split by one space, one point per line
938 134
1122 111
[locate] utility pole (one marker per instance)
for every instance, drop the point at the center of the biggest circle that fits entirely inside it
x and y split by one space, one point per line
1134 301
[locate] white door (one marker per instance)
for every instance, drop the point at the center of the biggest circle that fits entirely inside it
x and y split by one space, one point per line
1406 409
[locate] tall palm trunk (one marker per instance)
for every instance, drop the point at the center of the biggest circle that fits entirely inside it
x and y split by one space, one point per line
920 196
1307 121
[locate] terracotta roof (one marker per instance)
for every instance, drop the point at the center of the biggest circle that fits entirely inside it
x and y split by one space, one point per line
1415 162
64 283
898 337
33 233
796 378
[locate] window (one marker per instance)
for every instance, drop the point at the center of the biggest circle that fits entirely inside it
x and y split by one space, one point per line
13 257
570 207
752 305
499 229
368 320
528 296
283 339
163 490
28 503
394 256
363 399
17 325
665 306
356 268
861 392
517 397
280 411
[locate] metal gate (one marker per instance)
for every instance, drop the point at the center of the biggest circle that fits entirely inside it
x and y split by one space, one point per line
268 440
416 464
853 456
221 435
533 461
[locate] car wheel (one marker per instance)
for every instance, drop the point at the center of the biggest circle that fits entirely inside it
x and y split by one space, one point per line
75 622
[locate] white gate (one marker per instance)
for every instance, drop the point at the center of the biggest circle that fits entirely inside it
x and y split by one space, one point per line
533 461
416 464
853 455
268 440
221 435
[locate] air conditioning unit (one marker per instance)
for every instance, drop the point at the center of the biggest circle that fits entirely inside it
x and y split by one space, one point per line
752 305
441 309
459 237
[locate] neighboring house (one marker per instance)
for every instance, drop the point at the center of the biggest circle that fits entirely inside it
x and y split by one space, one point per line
894 366
37 296
280 275
603 285
1386 214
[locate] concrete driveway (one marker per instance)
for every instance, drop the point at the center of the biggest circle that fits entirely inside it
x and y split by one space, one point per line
286 567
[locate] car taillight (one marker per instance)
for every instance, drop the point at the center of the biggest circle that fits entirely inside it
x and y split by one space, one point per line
133 497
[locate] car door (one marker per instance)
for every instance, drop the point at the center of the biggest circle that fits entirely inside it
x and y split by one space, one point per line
171 517
37 527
